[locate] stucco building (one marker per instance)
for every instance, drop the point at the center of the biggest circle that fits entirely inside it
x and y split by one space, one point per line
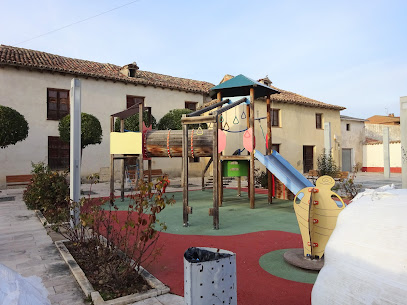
353 138
37 85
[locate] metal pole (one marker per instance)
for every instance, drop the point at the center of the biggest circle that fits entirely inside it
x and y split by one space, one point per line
75 150
327 139
122 177
403 130
386 152
111 165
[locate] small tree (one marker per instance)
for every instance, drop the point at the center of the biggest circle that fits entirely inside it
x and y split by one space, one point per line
327 165
13 127
172 120
131 123
91 131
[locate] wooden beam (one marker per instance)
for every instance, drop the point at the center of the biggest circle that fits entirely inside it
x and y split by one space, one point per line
219 163
248 126
206 109
198 119
227 107
185 174
215 177
268 152
237 157
251 121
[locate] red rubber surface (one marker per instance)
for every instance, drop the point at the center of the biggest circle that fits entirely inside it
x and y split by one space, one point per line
254 285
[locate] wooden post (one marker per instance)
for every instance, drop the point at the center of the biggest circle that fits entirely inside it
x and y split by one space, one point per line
239 186
215 177
122 177
248 126
268 152
111 165
140 122
219 163
251 121
149 170
185 173
149 161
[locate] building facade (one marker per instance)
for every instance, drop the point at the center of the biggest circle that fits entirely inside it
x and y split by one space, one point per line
37 84
353 138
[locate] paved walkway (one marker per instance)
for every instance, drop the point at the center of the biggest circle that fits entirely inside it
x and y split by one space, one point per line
26 248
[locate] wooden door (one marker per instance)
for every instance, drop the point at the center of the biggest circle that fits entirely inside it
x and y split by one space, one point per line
308 158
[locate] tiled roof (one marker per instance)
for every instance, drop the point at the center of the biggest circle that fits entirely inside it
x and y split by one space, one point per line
287 97
12 56
385 120
349 118
294 98
371 141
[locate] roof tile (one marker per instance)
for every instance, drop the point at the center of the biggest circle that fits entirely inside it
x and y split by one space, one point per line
13 56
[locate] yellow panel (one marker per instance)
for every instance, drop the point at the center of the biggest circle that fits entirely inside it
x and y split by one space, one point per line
126 143
317 221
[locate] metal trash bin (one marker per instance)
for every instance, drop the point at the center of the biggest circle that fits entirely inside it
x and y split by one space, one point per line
209 276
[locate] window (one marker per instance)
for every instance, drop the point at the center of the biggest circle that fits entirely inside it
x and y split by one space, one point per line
58 153
191 105
275 117
318 120
275 147
133 100
57 103
347 127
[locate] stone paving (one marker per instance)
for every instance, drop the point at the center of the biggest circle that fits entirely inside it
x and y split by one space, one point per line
26 248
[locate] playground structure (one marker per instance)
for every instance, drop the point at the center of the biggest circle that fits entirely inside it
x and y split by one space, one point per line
211 142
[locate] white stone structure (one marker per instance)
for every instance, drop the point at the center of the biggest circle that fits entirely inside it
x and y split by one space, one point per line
353 137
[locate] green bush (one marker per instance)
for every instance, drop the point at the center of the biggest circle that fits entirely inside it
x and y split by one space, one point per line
13 127
48 191
131 123
91 131
172 120
261 179
327 165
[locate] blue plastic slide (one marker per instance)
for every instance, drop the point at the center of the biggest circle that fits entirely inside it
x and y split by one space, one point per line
284 171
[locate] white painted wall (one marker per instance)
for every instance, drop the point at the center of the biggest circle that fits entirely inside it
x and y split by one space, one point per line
26 91
353 139
373 155
375 131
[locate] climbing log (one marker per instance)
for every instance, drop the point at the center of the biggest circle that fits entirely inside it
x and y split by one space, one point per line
156 143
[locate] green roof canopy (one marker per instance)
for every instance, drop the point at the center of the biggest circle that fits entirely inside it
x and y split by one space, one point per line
240 86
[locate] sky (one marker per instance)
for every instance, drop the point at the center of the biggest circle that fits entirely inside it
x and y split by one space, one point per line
347 53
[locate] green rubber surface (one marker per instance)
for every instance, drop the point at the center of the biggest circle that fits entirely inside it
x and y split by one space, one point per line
235 216
274 263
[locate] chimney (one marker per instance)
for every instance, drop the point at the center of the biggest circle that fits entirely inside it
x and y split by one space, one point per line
265 81
391 115
129 70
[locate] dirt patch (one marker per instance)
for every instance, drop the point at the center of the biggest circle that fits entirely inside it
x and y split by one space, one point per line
105 275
